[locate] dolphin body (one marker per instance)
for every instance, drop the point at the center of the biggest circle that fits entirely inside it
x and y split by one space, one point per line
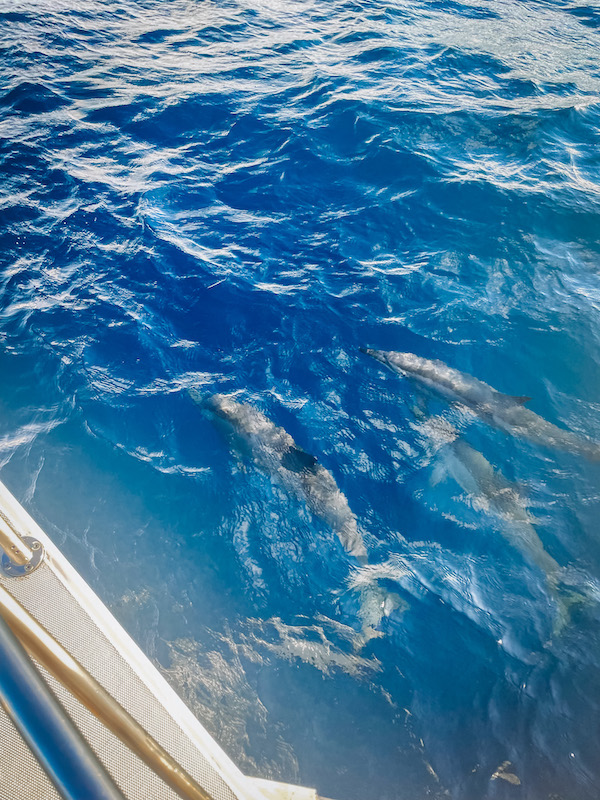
492 492
503 411
477 478
275 452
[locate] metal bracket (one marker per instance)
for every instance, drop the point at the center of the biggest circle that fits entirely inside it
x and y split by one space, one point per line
12 570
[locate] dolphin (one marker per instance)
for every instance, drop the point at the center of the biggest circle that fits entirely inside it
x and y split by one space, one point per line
275 452
503 411
491 491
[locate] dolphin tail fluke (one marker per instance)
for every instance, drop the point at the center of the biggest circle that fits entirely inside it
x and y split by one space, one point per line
392 602
365 636
566 603
593 454
418 411
571 589
575 581
376 603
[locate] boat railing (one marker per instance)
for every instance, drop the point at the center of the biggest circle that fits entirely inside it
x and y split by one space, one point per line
19 624
73 686
51 735
22 554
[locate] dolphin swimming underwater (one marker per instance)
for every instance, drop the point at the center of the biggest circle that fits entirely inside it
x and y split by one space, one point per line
503 411
494 493
301 475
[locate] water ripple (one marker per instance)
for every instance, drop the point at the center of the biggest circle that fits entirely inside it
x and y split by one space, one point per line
234 197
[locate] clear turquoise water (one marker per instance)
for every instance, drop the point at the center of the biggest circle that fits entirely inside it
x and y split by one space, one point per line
236 197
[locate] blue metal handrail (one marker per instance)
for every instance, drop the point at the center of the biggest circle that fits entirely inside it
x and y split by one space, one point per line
51 735
48 651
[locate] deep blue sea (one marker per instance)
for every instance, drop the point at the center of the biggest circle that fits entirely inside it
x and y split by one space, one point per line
236 197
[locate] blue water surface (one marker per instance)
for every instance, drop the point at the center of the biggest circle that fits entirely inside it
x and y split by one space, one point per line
235 197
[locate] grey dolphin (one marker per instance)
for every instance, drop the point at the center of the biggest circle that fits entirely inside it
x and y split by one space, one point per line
489 488
503 411
301 475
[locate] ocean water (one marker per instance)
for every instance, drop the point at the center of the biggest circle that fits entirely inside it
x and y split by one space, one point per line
236 197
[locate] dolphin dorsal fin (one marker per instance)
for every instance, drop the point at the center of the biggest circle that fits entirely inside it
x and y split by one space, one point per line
297 460
521 399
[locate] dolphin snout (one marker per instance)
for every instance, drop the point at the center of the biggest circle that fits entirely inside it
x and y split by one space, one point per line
378 355
208 403
368 351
